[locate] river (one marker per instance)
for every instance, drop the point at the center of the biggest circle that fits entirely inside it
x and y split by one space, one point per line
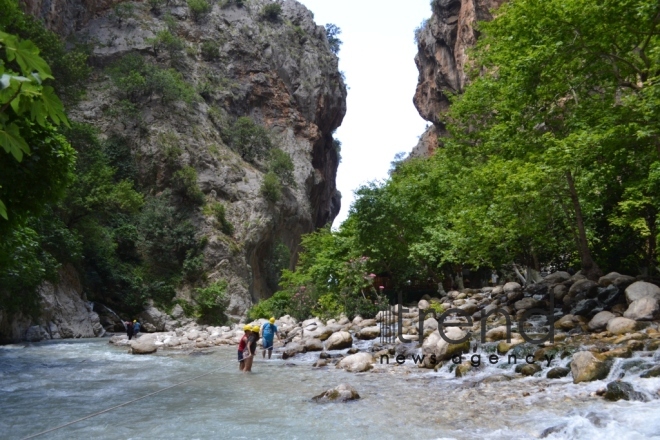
48 384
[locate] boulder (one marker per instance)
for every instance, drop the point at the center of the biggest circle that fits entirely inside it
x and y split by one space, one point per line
615 279
587 307
320 332
557 277
357 363
339 341
512 287
643 309
443 350
497 334
423 304
312 344
642 289
619 390
292 349
558 372
599 322
526 303
152 319
368 333
653 372
620 326
560 292
143 346
610 295
528 369
587 366
341 393
566 322
503 347
463 369
582 289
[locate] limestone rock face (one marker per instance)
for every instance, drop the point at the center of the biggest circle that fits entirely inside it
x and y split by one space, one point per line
65 313
281 74
441 60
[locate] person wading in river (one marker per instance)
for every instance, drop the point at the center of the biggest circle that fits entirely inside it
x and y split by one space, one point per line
268 332
242 346
129 329
252 347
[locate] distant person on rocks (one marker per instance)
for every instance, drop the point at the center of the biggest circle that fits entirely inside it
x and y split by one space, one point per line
136 327
129 330
242 347
252 347
268 333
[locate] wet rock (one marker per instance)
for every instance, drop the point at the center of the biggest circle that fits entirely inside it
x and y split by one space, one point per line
292 349
610 278
526 303
560 292
619 326
119 340
599 322
463 369
558 373
587 307
443 350
497 334
367 323
339 341
320 332
320 363
503 347
312 344
143 347
352 350
618 352
341 393
511 287
357 363
653 372
643 309
610 295
642 289
619 390
566 322
528 369
587 366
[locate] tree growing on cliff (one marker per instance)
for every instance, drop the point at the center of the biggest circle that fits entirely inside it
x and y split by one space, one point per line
332 32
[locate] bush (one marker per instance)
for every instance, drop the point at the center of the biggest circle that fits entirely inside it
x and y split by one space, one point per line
137 79
281 164
193 265
271 11
199 8
332 31
166 40
277 305
210 50
212 302
184 184
249 139
271 188
328 306
217 209
155 5
122 12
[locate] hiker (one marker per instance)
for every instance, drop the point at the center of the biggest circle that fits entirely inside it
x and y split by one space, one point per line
252 347
129 329
268 332
242 347
136 327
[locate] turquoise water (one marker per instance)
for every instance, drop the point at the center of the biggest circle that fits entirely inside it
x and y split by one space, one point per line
48 384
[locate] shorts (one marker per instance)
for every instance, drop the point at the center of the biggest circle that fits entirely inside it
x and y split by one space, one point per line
268 344
240 355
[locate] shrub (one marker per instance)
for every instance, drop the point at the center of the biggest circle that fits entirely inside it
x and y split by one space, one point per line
210 50
184 184
277 305
166 40
271 11
193 265
212 302
328 306
249 139
332 31
217 209
281 164
271 188
122 12
199 8
155 5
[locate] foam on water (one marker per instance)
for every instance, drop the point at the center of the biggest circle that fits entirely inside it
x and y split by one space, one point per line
45 385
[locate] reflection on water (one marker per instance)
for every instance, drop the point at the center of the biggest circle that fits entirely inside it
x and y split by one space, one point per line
49 384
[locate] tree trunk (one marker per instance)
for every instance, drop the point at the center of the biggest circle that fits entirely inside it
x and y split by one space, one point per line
590 268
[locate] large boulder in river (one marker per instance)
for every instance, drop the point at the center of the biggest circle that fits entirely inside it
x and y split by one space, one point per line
320 332
143 346
587 366
357 363
620 326
582 289
312 344
643 309
557 277
341 393
339 341
512 287
619 390
292 349
434 345
599 322
368 333
642 289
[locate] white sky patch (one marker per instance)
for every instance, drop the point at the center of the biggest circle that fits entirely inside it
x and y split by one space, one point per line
378 59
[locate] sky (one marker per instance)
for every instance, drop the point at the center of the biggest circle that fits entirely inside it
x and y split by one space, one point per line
378 59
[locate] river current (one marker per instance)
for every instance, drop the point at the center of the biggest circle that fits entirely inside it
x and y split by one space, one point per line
48 384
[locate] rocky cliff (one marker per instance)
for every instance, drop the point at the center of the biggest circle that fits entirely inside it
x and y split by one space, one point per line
441 59
239 59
